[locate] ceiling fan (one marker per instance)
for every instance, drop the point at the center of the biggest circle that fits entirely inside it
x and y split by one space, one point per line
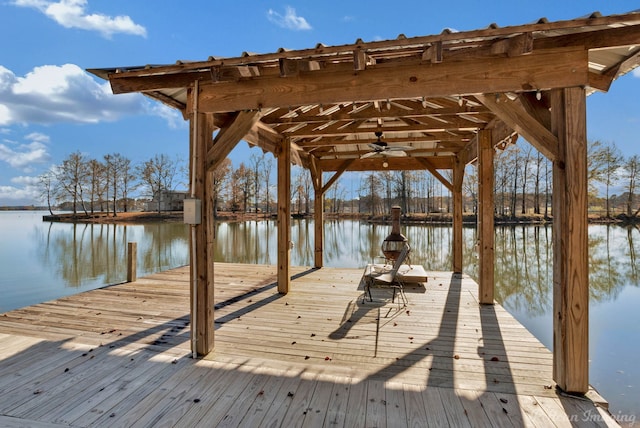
382 148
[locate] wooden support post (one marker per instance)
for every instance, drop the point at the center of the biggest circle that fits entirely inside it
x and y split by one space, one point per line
458 177
485 217
284 216
201 258
318 212
318 216
570 242
132 259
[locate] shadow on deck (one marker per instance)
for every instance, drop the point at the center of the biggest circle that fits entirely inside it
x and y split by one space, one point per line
318 356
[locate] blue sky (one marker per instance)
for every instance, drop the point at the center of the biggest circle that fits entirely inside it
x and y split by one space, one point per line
50 107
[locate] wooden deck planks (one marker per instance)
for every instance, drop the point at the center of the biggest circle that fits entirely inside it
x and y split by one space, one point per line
315 357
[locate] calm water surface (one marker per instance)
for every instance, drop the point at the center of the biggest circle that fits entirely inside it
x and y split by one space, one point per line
41 261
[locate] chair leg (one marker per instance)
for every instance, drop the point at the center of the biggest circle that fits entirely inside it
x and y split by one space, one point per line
367 290
402 295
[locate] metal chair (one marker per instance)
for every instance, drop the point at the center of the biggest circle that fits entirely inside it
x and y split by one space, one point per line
386 275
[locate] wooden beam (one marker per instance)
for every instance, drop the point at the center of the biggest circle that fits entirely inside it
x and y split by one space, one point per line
124 83
570 243
360 60
602 82
394 164
623 35
201 256
230 135
469 153
539 70
486 257
538 109
433 53
519 119
222 73
614 30
291 67
269 140
423 124
457 244
500 133
284 217
414 110
339 172
522 44
429 165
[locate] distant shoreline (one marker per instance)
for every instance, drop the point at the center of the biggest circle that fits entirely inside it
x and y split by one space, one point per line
438 219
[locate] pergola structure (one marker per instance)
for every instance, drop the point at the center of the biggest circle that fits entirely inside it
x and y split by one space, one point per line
453 97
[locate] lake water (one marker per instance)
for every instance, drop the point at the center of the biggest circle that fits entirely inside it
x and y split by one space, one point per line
42 261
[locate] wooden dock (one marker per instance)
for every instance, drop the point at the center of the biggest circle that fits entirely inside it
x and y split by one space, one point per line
318 357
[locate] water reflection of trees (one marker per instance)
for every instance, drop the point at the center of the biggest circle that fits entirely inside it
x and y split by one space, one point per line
524 268
524 265
612 260
83 254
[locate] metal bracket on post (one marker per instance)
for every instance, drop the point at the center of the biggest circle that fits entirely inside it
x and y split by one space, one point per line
192 211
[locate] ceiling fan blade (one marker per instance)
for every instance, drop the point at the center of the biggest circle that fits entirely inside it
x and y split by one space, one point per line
399 148
395 154
368 155
376 147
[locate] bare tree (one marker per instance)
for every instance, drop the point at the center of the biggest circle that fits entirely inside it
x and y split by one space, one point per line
266 178
503 167
72 176
301 190
538 176
115 164
48 188
370 187
527 151
96 182
605 161
470 187
242 186
157 175
129 182
631 173
257 161
220 180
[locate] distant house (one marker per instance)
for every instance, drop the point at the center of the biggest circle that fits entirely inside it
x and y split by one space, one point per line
167 200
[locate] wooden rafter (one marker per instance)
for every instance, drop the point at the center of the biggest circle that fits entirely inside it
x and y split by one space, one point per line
336 175
229 136
429 166
518 118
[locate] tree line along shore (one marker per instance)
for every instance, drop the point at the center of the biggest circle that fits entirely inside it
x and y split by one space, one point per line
438 218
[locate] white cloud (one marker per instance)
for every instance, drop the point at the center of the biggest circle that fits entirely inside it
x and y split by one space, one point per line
24 190
26 180
10 195
27 155
172 116
39 137
52 94
636 72
289 20
73 14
